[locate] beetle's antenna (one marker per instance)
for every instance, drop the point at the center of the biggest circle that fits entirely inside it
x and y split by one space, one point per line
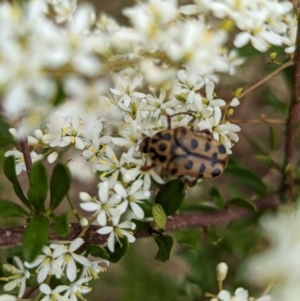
181 113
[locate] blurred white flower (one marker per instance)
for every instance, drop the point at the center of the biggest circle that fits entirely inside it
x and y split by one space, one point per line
281 261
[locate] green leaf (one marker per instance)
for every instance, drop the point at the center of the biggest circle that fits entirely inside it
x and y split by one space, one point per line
271 138
140 225
10 173
38 188
62 225
246 176
97 251
120 250
240 202
159 216
10 209
35 237
217 198
60 96
14 251
190 238
59 185
272 100
165 244
6 139
243 223
2 273
171 196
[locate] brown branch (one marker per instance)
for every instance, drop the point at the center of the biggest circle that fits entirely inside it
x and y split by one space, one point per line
13 236
26 154
293 119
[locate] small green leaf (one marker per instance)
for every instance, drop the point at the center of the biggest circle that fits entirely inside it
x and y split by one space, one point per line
10 209
120 250
97 251
246 176
171 196
165 244
240 202
271 138
59 185
10 173
62 225
217 198
140 226
243 223
190 238
159 216
35 237
38 188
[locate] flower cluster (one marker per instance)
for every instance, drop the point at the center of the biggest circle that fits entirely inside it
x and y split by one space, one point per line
105 86
74 271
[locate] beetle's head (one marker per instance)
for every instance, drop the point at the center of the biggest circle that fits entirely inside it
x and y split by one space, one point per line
144 145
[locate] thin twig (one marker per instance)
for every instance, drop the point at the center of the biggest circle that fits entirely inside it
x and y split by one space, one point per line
292 121
272 74
26 154
261 120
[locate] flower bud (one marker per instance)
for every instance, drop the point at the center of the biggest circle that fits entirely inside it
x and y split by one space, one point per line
84 221
222 269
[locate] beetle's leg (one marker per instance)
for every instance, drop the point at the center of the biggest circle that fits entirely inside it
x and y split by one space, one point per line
191 181
147 167
181 113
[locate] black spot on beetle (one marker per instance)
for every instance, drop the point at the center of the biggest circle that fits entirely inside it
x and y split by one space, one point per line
202 168
194 143
183 131
207 146
174 171
189 164
162 159
214 159
162 147
216 172
152 151
166 136
209 139
222 149
155 139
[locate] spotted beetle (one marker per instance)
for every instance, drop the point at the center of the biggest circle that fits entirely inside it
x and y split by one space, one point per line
185 153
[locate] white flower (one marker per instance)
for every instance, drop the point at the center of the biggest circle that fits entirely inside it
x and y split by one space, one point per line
133 197
47 265
117 231
54 294
20 161
105 208
66 257
96 268
190 85
19 277
281 262
77 288
125 89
